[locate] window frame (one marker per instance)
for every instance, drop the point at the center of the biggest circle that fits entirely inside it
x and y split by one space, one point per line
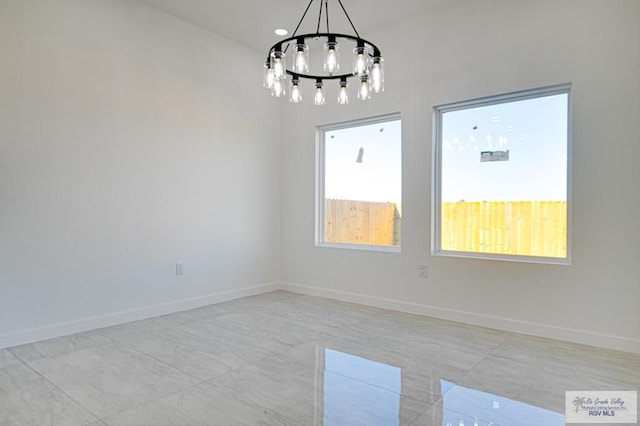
436 187
321 131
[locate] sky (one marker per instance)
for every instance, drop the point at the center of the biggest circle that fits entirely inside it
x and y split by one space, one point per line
534 131
378 177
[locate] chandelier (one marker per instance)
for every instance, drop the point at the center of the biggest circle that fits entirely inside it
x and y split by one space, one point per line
366 70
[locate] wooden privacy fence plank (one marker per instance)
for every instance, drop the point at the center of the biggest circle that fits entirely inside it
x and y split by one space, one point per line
528 228
361 222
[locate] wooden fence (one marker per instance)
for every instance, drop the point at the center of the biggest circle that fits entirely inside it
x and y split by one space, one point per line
361 222
531 228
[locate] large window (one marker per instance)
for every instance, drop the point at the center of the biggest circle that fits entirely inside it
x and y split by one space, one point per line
501 177
359 184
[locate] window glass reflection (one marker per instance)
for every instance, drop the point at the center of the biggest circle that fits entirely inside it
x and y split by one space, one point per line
470 407
358 388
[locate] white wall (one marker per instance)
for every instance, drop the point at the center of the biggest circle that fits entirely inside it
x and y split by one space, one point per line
124 148
471 49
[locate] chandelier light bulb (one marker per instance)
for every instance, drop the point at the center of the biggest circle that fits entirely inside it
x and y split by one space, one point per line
359 64
278 89
319 99
278 63
343 95
364 91
278 68
377 75
301 57
300 64
267 77
360 60
331 56
296 94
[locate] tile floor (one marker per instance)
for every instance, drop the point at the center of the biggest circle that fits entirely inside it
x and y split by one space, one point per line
287 359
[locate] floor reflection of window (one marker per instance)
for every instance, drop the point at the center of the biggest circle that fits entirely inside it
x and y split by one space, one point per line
360 390
469 407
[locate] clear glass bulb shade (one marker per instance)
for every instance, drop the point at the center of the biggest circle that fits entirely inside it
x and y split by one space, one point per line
343 94
376 75
331 57
319 98
278 64
278 89
360 61
364 91
296 94
267 77
301 58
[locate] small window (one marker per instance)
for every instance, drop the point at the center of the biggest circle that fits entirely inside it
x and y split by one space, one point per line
501 177
359 178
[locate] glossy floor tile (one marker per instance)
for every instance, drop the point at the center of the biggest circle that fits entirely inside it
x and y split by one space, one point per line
286 359
110 379
26 398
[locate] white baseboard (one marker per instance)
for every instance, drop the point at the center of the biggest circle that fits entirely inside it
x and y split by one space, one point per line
522 327
506 324
86 324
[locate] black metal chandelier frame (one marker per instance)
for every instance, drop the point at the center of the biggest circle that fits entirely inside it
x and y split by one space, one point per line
373 50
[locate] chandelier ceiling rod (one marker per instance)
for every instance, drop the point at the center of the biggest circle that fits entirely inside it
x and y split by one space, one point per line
303 15
320 16
326 14
348 17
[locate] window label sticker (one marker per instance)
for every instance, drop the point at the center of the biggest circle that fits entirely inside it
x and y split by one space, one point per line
487 156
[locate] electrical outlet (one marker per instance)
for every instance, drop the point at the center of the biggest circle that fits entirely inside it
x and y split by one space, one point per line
423 271
179 270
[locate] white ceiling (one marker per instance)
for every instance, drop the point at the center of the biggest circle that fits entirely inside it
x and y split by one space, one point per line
252 22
